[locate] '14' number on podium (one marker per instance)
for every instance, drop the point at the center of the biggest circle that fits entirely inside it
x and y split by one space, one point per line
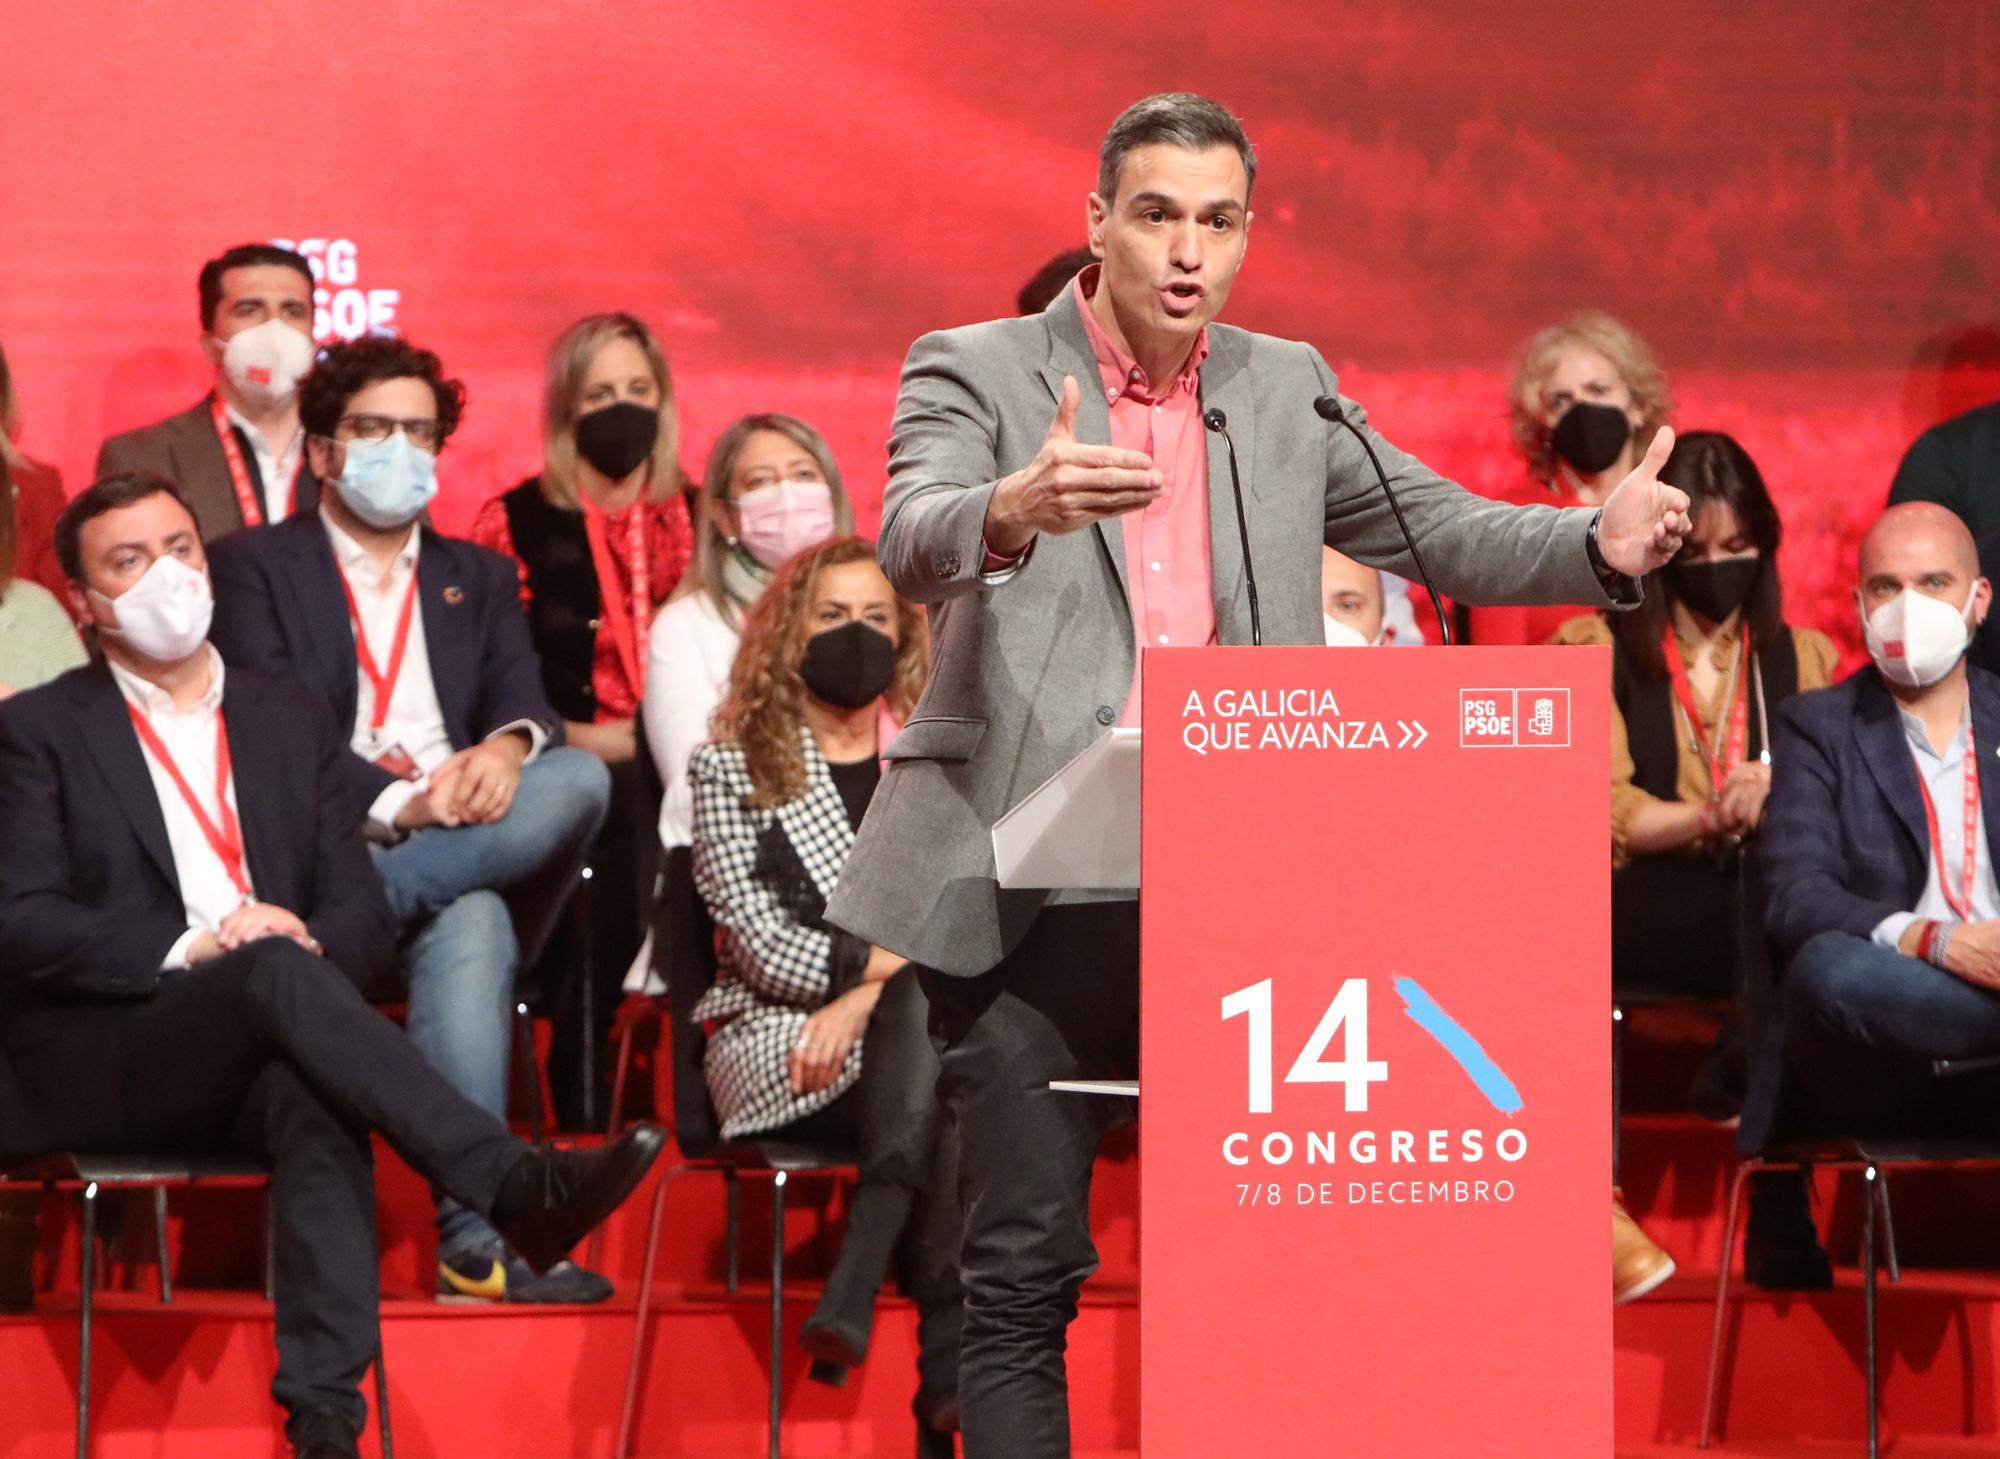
1347 1015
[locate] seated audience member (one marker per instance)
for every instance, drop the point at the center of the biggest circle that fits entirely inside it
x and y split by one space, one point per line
1698 674
186 913
1051 279
1586 399
238 453
1881 860
36 495
478 823
37 639
599 538
1351 601
830 658
772 490
1956 464
37 642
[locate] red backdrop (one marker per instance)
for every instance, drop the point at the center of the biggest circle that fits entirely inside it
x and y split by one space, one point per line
1795 202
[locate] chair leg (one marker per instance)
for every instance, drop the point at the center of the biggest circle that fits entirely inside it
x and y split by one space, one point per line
1710 1393
588 1055
1617 1084
1889 1232
270 1249
86 1303
777 1302
524 1053
636 1364
160 1244
732 1232
1870 1176
382 1401
620 1070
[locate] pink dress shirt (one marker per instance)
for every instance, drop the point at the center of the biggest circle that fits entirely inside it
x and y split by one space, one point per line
1167 566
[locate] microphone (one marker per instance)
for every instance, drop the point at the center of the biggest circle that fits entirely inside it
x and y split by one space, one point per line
1329 410
1216 421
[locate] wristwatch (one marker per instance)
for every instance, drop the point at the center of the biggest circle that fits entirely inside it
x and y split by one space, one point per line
1622 590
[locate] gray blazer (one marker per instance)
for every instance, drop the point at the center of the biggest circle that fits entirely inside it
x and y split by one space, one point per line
183 448
1028 672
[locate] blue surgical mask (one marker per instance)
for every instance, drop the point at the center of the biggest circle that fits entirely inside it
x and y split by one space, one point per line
387 483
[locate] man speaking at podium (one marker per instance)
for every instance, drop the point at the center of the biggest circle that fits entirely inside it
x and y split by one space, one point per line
1061 494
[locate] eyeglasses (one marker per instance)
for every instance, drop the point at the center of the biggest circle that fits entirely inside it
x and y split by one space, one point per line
423 434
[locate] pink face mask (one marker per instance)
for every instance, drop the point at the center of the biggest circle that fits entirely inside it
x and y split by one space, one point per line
782 520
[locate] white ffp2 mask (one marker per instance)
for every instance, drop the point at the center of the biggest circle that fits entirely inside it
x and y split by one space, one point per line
1914 639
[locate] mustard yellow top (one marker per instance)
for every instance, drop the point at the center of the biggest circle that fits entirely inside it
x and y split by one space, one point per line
1818 659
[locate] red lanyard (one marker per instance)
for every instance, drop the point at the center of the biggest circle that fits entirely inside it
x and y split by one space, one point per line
623 613
226 840
1967 873
239 471
1737 709
383 683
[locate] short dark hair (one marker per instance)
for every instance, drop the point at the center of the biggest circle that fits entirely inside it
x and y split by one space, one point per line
1040 291
1180 118
244 255
106 494
344 370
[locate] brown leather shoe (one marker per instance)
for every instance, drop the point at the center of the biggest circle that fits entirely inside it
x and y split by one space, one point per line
1637 1265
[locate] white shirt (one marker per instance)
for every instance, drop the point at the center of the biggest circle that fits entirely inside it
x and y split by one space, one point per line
1943 775
415 720
277 470
207 892
688 656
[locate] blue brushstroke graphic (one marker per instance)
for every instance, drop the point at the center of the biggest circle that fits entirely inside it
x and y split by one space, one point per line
1462 1046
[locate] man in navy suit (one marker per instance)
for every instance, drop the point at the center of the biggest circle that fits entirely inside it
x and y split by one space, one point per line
1880 859
478 821
185 915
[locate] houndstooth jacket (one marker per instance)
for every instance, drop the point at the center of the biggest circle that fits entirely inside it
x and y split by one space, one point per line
765 875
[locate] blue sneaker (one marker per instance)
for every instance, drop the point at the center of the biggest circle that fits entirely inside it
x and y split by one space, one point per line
489 1272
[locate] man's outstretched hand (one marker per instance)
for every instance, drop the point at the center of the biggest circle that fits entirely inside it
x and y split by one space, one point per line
1068 485
1644 518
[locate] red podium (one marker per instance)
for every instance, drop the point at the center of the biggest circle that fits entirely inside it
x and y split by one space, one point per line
1375 1061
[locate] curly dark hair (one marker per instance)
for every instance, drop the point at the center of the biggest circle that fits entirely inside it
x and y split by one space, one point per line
345 369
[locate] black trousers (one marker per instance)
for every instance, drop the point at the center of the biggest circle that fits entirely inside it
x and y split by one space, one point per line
908 1187
1064 1005
271 1050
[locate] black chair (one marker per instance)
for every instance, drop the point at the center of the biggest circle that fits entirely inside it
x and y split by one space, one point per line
91 1175
684 951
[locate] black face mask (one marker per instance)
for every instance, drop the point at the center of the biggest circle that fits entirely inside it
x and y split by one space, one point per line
850 665
1589 436
1715 589
617 438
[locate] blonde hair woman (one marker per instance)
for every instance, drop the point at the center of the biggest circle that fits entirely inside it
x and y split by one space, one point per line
772 489
600 538
1586 399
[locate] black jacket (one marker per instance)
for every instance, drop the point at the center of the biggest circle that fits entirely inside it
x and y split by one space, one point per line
280 611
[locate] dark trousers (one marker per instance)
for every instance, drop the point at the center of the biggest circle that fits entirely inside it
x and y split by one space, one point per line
908 1190
272 1051
1063 1005
1859 1028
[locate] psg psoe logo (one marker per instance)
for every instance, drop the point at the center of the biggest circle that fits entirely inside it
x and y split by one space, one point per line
342 308
1474 1151
1514 719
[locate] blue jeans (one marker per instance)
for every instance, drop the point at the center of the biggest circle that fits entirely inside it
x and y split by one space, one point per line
474 903
1858 1029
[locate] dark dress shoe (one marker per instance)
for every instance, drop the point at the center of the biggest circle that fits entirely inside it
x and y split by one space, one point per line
320 1433
553 1198
833 1343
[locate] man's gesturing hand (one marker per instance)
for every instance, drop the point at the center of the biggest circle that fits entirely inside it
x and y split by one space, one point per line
1644 518
1068 485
